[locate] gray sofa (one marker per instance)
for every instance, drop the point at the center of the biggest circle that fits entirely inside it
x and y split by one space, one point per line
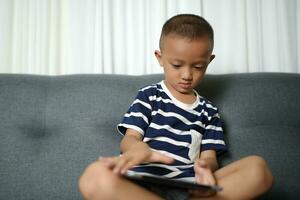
52 127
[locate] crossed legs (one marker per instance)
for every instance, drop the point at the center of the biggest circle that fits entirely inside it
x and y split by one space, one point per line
244 179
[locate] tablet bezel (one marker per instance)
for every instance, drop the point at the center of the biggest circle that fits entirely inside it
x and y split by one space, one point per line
158 180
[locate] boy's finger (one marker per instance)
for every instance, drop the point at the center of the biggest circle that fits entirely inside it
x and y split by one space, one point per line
109 162
127 166
120 164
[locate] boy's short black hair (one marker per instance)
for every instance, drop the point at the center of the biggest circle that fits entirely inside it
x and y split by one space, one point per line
188 26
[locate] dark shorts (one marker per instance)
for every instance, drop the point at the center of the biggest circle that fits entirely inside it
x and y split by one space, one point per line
167 193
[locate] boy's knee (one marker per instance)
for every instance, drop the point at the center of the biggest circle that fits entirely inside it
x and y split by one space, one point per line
94 180
260 171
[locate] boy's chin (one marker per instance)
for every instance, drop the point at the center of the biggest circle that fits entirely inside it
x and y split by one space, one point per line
185 92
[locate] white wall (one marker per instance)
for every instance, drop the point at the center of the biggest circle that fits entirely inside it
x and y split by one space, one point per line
120 36
5 35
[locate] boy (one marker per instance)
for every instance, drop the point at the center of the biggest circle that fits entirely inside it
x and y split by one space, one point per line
171 131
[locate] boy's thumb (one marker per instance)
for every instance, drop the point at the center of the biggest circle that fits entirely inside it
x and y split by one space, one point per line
167 159
159 157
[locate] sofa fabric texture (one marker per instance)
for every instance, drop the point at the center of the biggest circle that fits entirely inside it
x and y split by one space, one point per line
52 127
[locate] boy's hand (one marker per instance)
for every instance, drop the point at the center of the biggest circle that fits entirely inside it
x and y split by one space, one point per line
203 175
138 154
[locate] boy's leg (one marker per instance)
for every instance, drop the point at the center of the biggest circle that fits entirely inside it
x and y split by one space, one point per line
99 182
244 179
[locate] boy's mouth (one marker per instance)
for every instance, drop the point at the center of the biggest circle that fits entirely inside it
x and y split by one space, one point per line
185 85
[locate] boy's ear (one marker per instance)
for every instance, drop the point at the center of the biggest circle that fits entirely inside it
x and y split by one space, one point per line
212 57
158 57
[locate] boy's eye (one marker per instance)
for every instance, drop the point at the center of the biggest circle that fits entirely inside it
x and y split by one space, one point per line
200 66
176 65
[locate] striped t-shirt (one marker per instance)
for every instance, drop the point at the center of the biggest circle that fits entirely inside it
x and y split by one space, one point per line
178 130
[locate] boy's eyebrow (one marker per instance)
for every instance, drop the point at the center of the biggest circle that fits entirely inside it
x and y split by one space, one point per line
202 61
177 60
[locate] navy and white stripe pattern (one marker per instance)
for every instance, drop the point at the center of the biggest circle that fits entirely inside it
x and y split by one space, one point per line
173 128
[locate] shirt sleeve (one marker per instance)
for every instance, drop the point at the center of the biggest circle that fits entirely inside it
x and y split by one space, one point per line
138 115
213 138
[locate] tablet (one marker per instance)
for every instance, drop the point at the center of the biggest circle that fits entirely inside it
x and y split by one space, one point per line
158 180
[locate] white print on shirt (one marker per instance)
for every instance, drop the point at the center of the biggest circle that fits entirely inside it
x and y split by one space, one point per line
194 151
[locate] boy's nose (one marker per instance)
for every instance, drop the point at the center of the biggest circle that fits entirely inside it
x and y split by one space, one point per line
187 74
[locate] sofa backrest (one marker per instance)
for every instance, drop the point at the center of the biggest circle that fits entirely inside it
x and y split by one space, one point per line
261 114
52 127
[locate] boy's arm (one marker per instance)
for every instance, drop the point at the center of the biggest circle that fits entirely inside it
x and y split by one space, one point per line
210 158
131 138
134 152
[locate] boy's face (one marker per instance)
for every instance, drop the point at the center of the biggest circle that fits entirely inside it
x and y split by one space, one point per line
184 62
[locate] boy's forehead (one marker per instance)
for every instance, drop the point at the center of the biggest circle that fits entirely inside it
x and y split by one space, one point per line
175 42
